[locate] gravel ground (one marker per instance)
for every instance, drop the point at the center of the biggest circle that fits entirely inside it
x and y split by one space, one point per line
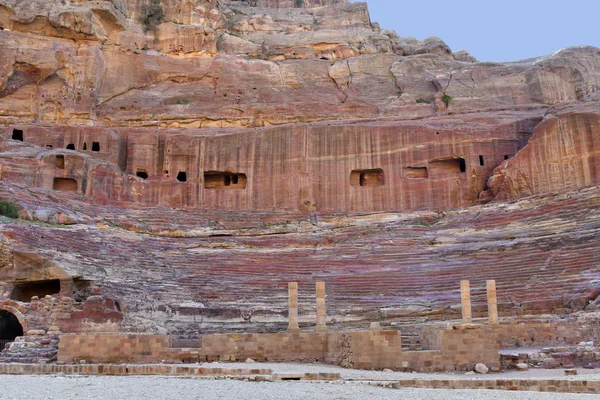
160 388
355 374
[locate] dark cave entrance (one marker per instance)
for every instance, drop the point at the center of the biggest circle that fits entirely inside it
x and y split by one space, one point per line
10 328
26 290
17 135
142 173
182 176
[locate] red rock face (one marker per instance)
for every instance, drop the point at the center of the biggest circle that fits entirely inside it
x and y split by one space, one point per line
322 168
562 155
236 146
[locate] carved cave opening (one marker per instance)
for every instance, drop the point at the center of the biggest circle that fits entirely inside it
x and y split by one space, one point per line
95 146
60 162
26 290
84 145
182 176
142 173
448 165
70 146
367 177
481 161
416 172
65 184
506 156
10 328
17 134
224 180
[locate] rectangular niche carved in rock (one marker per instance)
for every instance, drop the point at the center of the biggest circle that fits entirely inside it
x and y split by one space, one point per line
26 290
224 180
60 162
367 177
65 184
416 172
448 166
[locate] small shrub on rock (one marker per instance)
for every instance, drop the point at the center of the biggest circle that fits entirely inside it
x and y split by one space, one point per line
446 98
152 15
9 209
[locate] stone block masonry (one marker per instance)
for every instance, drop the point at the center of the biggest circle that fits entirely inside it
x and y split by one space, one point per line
543 334
527 385
114 348
455 349
131 370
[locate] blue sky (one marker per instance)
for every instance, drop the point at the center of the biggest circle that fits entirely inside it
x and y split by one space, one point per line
495 30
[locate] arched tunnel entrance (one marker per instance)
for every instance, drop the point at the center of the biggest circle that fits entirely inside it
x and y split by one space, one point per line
10 328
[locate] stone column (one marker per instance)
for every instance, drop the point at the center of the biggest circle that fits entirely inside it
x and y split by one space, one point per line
321 312
492 301
465 299
293 307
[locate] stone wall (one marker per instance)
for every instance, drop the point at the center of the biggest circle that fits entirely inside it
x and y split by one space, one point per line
460 350
115 348
535 335
293 346
456 350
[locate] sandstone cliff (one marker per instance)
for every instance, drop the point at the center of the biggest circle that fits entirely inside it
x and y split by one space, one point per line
191 166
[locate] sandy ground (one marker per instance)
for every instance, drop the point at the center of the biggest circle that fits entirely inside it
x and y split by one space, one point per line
160 388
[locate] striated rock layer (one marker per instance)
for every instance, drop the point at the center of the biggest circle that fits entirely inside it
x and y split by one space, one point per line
173 176
177 269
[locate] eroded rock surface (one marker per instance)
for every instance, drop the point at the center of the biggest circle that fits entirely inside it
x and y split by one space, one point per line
562 155
171 178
